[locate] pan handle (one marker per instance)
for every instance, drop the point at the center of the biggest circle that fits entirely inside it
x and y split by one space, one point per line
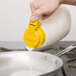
73 46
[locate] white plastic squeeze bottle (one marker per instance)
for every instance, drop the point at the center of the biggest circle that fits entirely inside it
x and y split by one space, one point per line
49 31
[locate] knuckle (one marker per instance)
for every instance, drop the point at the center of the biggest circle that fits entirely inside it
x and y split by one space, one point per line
49 11
38 13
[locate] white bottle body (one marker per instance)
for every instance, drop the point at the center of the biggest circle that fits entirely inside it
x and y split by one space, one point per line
56 26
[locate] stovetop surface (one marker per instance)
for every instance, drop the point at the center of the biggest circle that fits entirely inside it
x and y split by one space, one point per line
69 59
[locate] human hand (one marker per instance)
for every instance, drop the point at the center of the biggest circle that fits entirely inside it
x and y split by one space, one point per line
44 8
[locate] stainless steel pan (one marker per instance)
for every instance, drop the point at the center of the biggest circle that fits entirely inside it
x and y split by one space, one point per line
46 64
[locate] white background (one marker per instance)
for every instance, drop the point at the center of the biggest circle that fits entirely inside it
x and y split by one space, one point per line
14 17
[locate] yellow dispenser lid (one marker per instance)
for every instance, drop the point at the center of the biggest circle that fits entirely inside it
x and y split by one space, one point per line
34 35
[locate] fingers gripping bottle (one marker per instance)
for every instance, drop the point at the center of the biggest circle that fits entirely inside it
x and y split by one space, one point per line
49 31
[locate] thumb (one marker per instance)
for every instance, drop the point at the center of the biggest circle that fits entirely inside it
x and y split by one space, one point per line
37 14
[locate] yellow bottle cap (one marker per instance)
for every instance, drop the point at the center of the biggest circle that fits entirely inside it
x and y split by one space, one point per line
34 35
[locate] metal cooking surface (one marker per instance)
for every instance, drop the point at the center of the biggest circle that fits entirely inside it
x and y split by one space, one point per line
69 68
11 62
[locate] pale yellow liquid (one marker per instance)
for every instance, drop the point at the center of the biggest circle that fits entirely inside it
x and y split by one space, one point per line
30 58
26 73
30 72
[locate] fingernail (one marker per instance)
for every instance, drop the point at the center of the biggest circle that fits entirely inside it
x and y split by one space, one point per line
33 18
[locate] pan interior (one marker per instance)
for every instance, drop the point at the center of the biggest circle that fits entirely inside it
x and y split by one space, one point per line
19 61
